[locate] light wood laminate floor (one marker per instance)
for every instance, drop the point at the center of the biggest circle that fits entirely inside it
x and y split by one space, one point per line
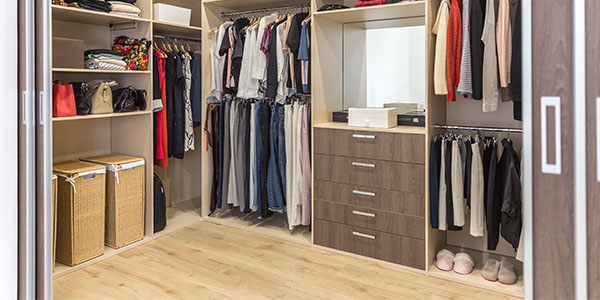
208 261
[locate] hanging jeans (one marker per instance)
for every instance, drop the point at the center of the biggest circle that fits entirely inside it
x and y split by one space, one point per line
225 155
276 172
492 205
434 179
262 152
477 184
253 205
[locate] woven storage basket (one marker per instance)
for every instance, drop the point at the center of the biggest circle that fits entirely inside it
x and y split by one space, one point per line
80 211
125 198
54 208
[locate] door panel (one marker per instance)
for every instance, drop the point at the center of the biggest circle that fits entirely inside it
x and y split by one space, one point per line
553 226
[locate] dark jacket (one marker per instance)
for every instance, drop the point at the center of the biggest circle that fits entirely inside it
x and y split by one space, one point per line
510 192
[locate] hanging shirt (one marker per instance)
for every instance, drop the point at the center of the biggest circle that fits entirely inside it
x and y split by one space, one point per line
245 75
259 61
188 138
196 90
440 29
218 61
504 42
282 63
303 57
465 85
454 48
178 109
490 63
477 46
293 42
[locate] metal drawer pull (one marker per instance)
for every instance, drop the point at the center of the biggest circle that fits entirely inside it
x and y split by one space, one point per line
368 236
362 136
364 214
356 192
357 164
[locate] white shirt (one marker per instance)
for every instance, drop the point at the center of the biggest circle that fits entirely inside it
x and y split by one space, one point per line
282 64
259 61
218 62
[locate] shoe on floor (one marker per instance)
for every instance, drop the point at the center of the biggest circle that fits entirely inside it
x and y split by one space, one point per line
490 270
444 260
463 263
507 274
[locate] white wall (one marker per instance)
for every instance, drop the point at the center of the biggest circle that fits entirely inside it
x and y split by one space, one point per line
8 152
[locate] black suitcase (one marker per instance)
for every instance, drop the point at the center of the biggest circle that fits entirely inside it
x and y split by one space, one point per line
160 205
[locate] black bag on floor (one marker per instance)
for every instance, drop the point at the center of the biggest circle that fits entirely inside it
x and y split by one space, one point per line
160 205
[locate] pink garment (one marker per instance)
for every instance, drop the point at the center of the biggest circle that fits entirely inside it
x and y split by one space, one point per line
229 58
306 168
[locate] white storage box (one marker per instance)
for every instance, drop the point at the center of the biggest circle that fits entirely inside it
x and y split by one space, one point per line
172 14
373 117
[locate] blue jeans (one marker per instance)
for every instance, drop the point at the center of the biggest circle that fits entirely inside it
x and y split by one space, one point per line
259 152
221 141
276 172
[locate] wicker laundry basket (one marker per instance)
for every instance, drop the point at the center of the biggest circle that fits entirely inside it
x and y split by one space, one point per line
125 198
54 208
80 211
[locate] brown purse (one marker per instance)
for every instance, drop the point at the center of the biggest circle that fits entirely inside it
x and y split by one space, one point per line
101 96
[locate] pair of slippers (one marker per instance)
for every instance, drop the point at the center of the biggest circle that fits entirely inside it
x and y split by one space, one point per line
503 272
461 263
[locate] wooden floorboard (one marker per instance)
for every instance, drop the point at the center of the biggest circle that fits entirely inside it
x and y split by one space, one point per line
209 261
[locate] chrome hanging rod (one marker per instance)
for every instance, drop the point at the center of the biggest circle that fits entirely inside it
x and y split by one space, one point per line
183 38
261 12
468 128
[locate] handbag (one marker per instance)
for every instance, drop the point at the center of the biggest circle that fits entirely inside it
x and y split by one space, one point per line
124 100
160 206
82 100
63 100
101 96
134 50
141 99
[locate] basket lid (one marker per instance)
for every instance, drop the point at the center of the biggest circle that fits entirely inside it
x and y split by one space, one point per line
74 167
113 159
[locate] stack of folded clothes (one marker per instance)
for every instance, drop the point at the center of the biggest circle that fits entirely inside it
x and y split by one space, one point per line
102 59
362 3
97 5
125 7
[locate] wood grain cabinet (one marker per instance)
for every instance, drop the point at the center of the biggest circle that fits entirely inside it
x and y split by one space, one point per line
369 194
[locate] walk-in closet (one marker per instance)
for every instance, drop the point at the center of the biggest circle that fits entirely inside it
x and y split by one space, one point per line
302 149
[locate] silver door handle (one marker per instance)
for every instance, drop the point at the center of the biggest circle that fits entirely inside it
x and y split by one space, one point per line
368 236
25 107
357 164
555 168
42 108
363 214
362 136
356 192
598 138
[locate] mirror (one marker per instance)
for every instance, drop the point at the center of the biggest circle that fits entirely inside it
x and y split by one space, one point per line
384 64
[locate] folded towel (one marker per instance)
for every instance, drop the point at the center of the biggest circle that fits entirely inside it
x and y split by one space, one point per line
124 7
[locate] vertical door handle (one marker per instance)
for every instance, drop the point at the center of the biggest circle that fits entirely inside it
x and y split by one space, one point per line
548 168
598 138
25 107
42 108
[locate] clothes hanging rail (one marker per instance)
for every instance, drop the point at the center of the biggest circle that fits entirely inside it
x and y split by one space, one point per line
183 38
261 12
491 129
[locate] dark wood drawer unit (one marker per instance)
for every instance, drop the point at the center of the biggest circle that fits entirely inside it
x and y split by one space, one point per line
388 175
383 221
375 244
398 147
368 197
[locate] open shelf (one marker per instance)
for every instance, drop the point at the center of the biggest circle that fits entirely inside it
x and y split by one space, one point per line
79 15
375 13
168 28
276 226
475 279
62 269
69 70
101 116
253 4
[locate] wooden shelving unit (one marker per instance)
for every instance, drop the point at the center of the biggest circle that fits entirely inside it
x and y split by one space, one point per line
102 116
68 70
375 13
79 15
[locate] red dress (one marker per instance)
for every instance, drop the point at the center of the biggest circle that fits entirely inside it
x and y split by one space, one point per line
454 48
162 155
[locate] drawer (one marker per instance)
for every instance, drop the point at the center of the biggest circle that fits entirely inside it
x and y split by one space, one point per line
409 148
375 244
366 144
368 197
387 175
404 225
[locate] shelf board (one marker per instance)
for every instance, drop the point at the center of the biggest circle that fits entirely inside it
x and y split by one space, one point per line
86 16
61 270
101 116
397 129
167 28
375 13
69 70
252 4
475 279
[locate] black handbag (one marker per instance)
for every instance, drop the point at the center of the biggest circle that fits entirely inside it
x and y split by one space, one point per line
160 205
82 99
141 99
124 100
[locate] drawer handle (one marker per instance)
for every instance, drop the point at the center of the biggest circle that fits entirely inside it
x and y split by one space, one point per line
367 236
357 164
362 136
357 192
364 214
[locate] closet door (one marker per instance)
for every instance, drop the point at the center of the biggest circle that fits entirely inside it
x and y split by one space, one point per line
592 111
43 150
26 151
552 141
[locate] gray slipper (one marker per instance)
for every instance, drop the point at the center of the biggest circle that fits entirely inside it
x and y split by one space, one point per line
507 274
490 270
